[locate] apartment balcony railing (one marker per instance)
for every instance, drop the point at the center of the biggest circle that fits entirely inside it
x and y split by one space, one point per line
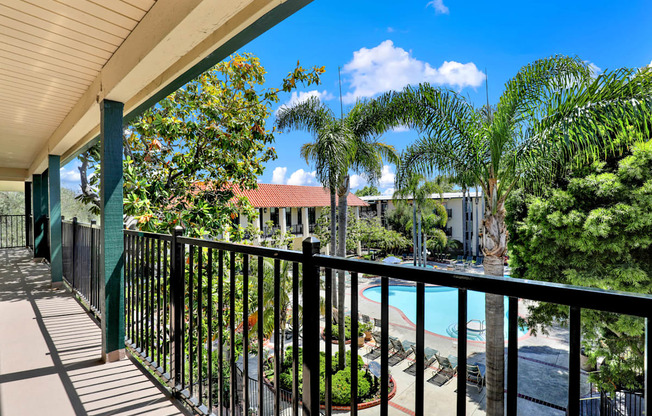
268 232
295 229
12 231
311 228
183 321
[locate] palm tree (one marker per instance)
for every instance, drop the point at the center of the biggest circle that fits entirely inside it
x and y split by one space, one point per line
420 190
339 147
552 110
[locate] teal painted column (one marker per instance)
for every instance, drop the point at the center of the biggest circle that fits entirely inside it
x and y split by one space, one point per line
28 214
45 210
54 180
112 240
40 235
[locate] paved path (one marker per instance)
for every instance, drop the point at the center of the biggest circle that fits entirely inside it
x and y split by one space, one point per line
50 353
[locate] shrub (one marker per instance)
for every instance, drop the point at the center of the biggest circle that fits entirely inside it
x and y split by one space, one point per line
342 386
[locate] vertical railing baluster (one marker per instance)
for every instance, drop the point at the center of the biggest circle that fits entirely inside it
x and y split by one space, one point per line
141 309
512 357
259 335
310 328
158 305
166 285
128 287
354 344
277 339
176 309
150 317
232 358
191 308
462 305
200 305
647 368
384 345
328 335
220 334
245 332
574 361
74 246
295 339
209 339
419 357
91 297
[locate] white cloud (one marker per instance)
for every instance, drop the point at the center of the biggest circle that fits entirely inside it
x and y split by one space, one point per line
390 29
301 177
69 175
302 96
387 177
438 5
387 67
650 64
595 70
298 177
278 175
357 181
388 192
400 129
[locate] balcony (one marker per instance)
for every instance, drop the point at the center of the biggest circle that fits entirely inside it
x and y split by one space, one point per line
181 323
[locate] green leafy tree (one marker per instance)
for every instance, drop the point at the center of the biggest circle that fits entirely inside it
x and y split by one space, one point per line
339 147
373 234
594 228
551 110
182 156
368 190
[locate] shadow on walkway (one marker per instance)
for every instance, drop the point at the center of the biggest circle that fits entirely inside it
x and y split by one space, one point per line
50 353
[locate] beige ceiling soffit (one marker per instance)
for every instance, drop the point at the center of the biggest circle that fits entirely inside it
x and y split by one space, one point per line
153 66
236 24
12 174
12 186
155 26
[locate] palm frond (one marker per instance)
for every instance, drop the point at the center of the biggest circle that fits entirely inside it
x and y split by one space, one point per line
309 115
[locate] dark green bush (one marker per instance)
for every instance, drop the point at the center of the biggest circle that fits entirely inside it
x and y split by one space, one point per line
347 329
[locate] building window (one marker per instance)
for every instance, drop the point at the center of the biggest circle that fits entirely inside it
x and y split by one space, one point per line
273 216
312 215
449 211
288 216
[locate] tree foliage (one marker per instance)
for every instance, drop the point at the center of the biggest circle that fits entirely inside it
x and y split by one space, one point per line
368 190
183 156
594 228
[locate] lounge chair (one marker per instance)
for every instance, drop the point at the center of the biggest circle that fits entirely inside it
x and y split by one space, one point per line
401 351
365 318
478 261
447 367
475 373
374 352
377 326
428 359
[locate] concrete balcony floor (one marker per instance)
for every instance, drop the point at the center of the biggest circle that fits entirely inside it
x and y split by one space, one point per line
50 353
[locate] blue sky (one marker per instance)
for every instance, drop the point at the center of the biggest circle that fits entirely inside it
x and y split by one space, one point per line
383 45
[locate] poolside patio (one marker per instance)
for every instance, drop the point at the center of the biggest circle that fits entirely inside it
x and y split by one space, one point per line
50 353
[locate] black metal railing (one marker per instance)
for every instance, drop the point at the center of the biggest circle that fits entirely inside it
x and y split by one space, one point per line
295 229
268 232
311 228
12 231
619 403
80 244
182 318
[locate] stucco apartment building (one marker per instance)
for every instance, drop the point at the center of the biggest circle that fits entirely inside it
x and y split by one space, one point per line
460 208
292 208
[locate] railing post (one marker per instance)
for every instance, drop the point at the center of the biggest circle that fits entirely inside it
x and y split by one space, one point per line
176 308
74 246
28 211
310 328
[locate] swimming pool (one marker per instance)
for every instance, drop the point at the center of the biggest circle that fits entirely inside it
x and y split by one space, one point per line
441 308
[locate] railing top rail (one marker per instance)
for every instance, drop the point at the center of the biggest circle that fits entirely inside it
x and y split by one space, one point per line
278 253
605 300
80 224
155 236
12 215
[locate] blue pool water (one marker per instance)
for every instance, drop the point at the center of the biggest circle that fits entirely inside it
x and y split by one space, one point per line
441 308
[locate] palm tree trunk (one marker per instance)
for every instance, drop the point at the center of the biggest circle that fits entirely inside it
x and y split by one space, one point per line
414 232
343 193
494 239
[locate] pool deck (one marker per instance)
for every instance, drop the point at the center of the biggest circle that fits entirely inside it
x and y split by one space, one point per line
543 369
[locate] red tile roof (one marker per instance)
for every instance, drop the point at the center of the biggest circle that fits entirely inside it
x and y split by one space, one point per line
269 196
